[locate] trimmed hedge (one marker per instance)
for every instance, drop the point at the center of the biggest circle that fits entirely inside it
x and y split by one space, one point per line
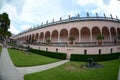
96 57
49 54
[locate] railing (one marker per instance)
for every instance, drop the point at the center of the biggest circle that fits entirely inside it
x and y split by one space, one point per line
85 44
77 44
72 19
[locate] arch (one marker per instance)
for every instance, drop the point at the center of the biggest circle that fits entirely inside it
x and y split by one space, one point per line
113 33
33 36
105 33
63 35
47 35
36 37
41 36
74 32
118 31
24 38
85 34
30 37
95 33
54 37
27 37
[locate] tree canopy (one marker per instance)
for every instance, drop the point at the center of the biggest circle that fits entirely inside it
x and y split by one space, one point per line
4 25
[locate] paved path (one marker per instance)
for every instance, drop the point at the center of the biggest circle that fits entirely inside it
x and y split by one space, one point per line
7 70
27 70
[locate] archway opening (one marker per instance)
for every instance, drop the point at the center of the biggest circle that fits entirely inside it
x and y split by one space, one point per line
106 34
95 33
74 32
54 37
85 34
63 35
41 36
113 33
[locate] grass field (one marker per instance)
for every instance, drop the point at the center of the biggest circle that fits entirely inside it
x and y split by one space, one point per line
72 71
20 58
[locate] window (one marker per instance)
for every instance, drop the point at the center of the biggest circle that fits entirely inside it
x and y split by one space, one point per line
99 51
111 50
85 51
46 49
56 49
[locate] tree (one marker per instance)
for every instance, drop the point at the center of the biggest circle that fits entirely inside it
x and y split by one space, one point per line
100 38
8 34
4 25
48 41
71 39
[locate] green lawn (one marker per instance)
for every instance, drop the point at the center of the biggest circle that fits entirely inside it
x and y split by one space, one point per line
72 71
21 59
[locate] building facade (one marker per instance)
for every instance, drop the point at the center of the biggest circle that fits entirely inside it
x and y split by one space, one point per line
84 29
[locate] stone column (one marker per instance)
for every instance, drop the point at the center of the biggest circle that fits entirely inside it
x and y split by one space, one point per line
79 35
110 35
58 36
44 37
91 40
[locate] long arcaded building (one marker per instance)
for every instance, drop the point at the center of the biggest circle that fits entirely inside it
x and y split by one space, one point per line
85 31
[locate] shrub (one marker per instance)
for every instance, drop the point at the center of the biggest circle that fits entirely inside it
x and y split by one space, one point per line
49 54
96 57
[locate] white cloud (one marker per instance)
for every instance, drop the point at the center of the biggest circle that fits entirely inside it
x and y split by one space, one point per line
40 10
111 8
1 3
88 2
26 13
14 30
25 27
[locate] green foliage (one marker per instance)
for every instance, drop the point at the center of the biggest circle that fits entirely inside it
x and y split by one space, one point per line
48 41
49 54
96 57
4 25
100 37
22 59
8 33
71 38
73 71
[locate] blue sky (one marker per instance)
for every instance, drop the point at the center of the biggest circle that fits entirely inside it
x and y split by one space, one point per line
26 13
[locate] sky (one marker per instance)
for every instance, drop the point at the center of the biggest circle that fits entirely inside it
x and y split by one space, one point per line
25 14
